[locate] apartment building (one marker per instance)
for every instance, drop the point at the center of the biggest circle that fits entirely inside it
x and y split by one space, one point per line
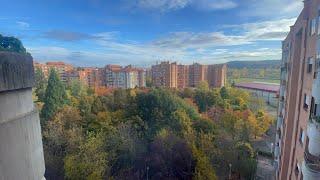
164 74
183 76
297 145
171 75
61 67
142 77
217 75
115 77
127 77
197 73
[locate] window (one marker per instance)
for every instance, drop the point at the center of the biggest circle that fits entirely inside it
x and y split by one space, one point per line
297 170
310 63
301 138
312 26
306 101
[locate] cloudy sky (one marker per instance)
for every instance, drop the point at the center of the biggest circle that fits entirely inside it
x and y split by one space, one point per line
141 32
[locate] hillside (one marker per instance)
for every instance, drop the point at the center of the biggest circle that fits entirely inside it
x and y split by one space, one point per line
254 64
250 71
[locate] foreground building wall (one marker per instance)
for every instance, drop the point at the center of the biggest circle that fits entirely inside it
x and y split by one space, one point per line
297 146
21 152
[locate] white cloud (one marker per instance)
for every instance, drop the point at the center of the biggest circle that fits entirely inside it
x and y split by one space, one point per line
206 47
249 33
163 4
23 25
272 8
168 5
215 4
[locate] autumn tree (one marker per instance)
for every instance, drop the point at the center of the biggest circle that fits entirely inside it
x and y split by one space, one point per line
89 162
61 136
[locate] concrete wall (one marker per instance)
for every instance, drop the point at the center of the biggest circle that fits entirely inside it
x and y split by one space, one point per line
21 152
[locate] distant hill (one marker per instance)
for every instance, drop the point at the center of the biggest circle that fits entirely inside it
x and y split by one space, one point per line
254 64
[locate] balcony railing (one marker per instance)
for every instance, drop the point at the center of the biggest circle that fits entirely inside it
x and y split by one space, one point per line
279 122
312 162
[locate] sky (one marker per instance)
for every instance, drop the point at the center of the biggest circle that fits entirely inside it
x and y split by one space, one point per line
143 32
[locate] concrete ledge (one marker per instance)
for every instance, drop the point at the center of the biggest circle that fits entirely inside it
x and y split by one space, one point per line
14 104
21 153
16 71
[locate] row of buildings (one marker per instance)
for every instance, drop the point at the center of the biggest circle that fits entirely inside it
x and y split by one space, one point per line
297 146
165 74
172 75
111 76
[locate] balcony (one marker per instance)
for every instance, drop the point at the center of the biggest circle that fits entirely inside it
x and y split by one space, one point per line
283 74
276 151
279 122
316 89
282 91
311 167
281 105
314 138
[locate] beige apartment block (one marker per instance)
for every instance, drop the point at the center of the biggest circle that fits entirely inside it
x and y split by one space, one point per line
164 74
171 75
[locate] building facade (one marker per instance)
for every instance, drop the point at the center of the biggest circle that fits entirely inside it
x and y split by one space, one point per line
111 76
183 76
171 75
197 73
217 75
164 74
126 78
297 145
62 69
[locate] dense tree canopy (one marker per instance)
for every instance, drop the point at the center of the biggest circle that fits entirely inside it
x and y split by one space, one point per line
149 133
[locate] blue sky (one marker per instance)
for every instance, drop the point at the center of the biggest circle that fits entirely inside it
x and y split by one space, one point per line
141 32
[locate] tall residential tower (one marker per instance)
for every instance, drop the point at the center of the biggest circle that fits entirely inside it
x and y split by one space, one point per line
297 146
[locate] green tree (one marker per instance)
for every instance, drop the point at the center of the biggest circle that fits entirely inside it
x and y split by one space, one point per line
11 44
55 96
246 163
224 93
41 83
203 86
89 162
203 169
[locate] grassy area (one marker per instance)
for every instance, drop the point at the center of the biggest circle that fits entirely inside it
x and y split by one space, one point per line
239 80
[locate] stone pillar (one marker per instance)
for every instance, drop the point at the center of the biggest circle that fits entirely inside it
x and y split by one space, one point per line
21 152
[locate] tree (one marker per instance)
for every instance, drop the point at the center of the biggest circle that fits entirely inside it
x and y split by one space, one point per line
224 93
89 162
55 96
203 169
61 136
246 163
11 44
41 83
203 86
170 158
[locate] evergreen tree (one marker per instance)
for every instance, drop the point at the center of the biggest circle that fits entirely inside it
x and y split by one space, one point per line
40 85
55 96
224 93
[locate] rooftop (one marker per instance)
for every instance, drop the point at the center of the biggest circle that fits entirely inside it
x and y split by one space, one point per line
268 87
